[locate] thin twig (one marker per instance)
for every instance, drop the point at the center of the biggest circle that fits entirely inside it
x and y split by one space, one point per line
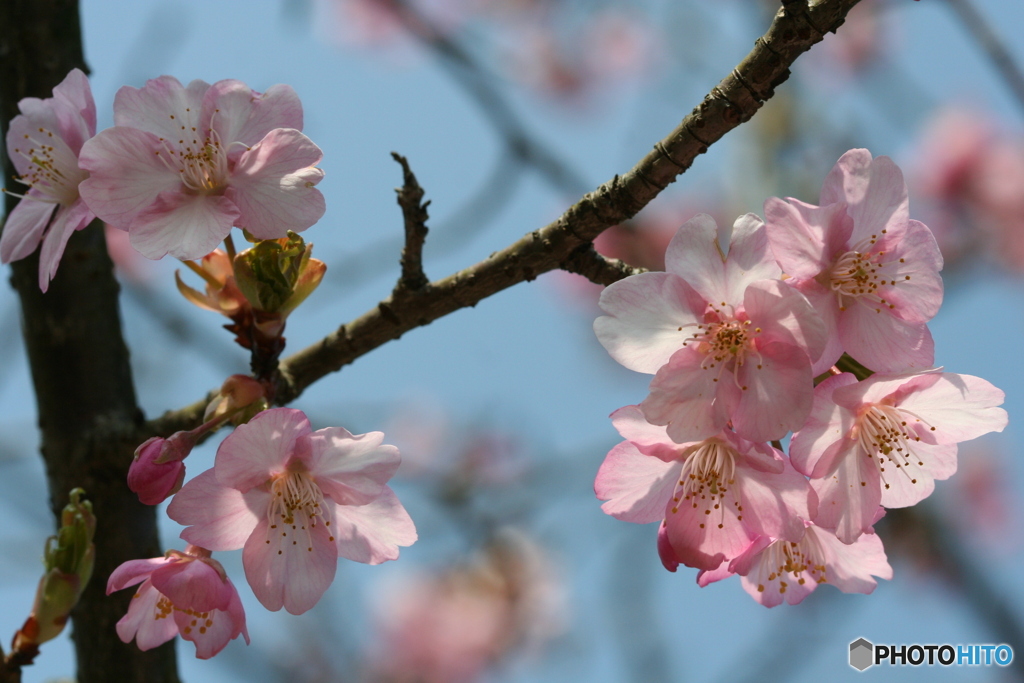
414 210
993 46
733 101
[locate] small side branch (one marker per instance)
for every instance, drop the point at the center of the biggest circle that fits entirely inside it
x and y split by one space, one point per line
599 269
414 209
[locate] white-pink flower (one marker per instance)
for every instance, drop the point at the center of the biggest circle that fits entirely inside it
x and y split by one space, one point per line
870 271
885 441
776 570
183 592
296 500
726 338
184 165
43 143
714 496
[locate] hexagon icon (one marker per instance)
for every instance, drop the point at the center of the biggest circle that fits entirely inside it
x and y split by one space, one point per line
862 654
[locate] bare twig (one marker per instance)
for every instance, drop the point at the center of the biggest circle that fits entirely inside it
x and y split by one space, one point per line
414 210
733 101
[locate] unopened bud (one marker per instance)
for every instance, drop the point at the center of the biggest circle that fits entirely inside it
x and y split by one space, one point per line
157 470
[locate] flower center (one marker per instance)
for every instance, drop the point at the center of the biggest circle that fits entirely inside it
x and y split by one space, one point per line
783 557
887 433
707 475
861 273
199 158
53 170
722 339
297 502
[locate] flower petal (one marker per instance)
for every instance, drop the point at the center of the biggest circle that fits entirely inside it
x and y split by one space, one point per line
636 487
749 259
848 499
162 107
649 439
132 572
694 255
260 448
351 469
873 190
686 398
240 114
218 517
373 532
212 632
68 220
649 318
959 407
784 315
186 226
813 447
289 568
144 621
804 237
24 228
781 370
273 185
192 584
884 343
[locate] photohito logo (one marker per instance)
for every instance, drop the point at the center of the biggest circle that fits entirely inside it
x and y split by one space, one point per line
864 654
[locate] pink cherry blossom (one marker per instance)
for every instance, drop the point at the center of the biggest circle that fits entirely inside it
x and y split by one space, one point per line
776 570
714 496
867 268
885 441
183 592
157 471
725 336
43 143
296 500
184 165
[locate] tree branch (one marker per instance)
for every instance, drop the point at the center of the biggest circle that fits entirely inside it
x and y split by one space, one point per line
597 268
410 196
733 101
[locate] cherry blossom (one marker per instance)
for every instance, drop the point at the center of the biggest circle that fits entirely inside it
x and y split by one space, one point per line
867 268
885 441
777 570
296 500
183 592
184 165
723 334
43 143
715 496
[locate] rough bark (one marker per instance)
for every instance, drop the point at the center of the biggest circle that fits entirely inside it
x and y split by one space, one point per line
88 416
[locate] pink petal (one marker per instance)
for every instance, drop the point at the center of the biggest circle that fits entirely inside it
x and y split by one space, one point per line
127 174
212 632
351 469
75 109
665 551
850 567
649 439
803 237
186 226
848 499
239 114
774 505
161 107
373 532
260 448
824 303
960 407
637 487
814 447
782 370
912 482
218 517
749 260
290 568
144 621
132 572
884 343
916 257
706 577
273 185
784 315
694 255
873 189
649 317
68 220
685 397
24 228
192 584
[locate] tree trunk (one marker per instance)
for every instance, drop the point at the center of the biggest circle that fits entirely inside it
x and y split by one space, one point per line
88 414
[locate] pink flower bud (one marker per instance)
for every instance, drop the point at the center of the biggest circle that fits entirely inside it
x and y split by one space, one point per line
157 471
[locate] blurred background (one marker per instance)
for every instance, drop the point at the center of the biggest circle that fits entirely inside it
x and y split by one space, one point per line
508 111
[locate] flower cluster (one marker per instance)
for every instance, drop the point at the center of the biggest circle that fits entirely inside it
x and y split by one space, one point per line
735 338
180 168
295 501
